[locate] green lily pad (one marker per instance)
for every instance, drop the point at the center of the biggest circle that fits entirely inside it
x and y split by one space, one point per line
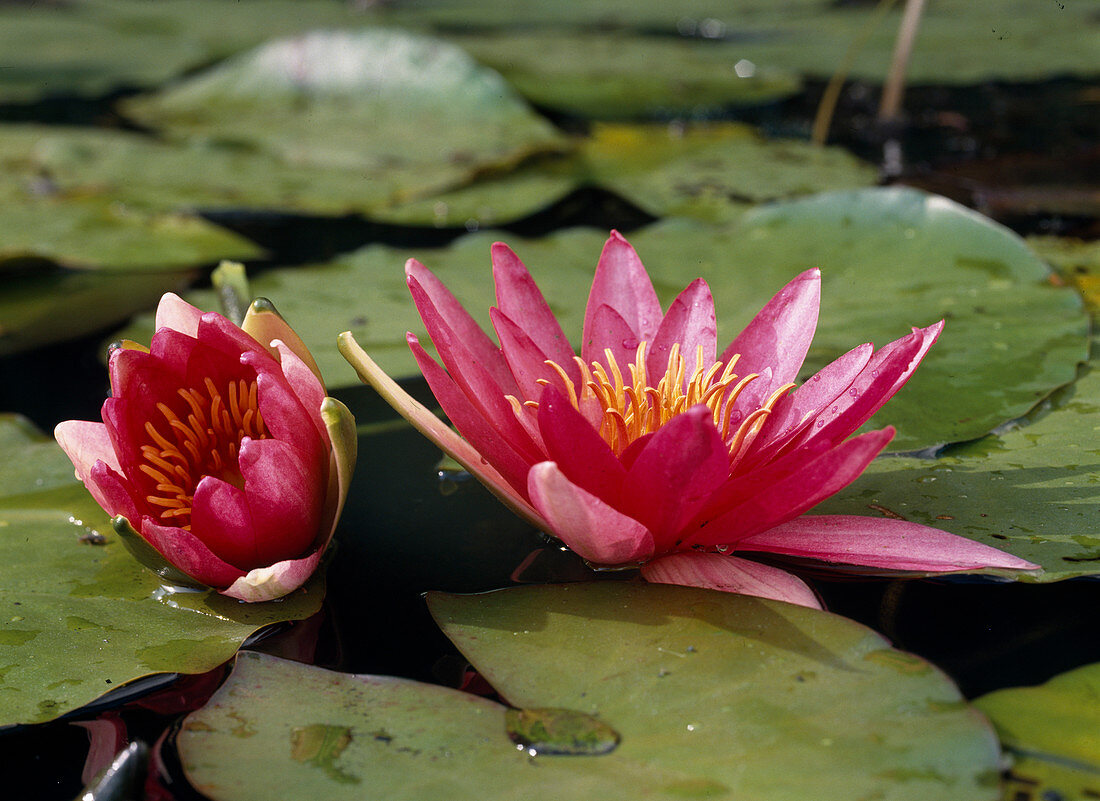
1050 730
405 114
1077 261
80 616
707 171
745 697
667 692
890 258
958 42
1032 491
150 175
95 46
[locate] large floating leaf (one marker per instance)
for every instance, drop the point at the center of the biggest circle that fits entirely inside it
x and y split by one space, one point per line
1032 491
748 698
891 259
1051 731
406 114
707 171
81 616
959 41
709 696
95 46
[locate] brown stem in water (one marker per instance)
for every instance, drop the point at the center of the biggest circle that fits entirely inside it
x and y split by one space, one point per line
894 87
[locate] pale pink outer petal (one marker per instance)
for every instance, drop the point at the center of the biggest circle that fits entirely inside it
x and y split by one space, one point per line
780 334
690 321
111 491
717 571
185 551
622 283
881 543
582 521
85 443
434 429
179 315
519 299
268 583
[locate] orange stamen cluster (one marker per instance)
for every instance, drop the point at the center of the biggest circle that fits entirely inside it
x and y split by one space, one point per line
203 441
637 407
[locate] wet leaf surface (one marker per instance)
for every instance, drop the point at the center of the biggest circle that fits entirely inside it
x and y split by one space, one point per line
80 616
714 696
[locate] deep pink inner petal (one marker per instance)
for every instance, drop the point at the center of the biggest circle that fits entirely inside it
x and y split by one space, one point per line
519 299
780 334
622 284
222 521
184 550
580 452
690 321
609 331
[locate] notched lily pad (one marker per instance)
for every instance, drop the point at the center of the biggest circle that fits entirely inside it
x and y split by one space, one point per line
82 617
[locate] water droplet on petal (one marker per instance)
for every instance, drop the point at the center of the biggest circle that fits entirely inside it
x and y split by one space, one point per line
820 422
817 377
630 343
853 392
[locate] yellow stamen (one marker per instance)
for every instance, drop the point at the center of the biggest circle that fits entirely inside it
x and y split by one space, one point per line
639 406
208 433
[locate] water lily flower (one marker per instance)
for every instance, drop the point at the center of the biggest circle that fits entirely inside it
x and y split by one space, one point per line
651 448
219 457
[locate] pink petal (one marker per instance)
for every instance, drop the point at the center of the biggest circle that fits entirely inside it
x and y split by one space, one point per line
884 375
622 284
526 359
582 521
787 498
780 334
690 321
113 493
794 412
85 443
489 445
286 419
222 520
608 331
285 493
185 551
880 543
275 581
580 452
433 428
445 318
221 335
730 574
304 383
175 313
264 324
520 299
679 468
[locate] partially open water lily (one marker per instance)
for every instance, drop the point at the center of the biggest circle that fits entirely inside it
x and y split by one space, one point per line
219 456
652 449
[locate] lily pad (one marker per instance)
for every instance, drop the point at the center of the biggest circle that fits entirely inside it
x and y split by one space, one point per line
93 47
1050 730
405 114
81 616
710 171
890 258
959 42
669 692
744 697
1032 491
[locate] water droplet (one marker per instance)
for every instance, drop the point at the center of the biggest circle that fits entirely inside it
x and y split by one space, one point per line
630 343
820 423
691 727
816 377
874 374
853 392
560 732
722 548
835 409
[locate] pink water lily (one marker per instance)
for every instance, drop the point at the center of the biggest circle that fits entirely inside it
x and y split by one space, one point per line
651 448
219 449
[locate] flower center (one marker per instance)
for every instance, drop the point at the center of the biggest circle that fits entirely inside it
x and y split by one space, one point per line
634 408
203 441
